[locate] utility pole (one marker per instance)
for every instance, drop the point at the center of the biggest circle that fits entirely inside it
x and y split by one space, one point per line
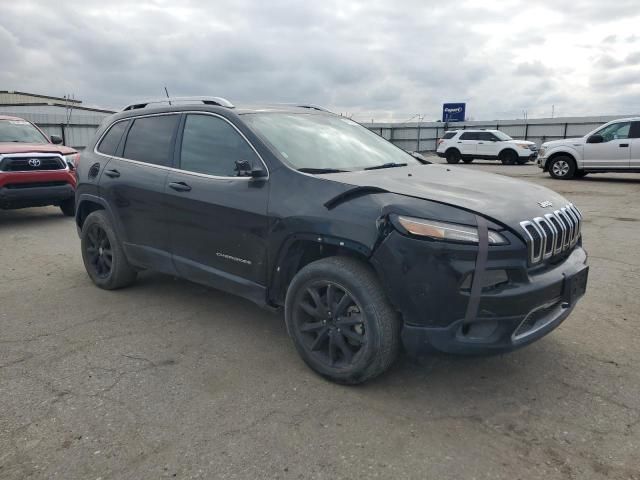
553 110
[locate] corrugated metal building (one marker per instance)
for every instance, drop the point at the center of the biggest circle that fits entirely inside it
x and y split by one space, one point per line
68 118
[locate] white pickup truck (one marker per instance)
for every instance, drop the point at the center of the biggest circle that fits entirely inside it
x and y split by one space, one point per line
613 147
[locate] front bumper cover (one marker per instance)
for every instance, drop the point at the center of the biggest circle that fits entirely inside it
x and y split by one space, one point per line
425 281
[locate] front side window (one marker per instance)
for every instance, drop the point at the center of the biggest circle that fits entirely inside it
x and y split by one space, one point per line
150 138
318 141
615 131
20 131
487 137
110 142
211 146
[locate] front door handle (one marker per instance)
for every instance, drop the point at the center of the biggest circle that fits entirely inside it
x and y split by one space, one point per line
113 173
480 143
180 186
623 145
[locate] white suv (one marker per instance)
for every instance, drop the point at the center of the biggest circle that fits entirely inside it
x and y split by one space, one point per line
466 145
614 147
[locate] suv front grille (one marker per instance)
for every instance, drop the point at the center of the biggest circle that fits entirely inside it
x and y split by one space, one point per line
553 233
31 164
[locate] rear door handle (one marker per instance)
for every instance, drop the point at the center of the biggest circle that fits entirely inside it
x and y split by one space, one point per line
480 143
180 186
623 145
112 173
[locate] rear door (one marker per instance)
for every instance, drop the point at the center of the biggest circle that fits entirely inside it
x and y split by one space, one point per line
468 143
613 152
217 220
634 141
133 183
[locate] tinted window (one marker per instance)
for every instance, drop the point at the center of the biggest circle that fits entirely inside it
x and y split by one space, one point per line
449 135
469 136
149 139
210 145
110 142
635 130
487 136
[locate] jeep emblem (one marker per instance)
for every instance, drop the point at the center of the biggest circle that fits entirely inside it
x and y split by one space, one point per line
545 204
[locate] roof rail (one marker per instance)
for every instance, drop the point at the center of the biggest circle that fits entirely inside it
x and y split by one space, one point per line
311 106
218 101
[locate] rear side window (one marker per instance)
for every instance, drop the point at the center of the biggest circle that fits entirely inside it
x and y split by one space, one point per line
110 142
635 130
150 139
211 146
469 136
449 135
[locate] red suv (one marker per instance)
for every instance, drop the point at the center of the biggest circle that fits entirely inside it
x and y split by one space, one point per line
35 170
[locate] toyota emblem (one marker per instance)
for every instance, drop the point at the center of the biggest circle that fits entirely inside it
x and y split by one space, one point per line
34 162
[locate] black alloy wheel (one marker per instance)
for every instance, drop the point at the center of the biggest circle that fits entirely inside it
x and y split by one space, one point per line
99 251
331 324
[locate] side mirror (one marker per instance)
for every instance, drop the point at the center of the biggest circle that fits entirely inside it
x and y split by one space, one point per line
244 168
595 139
56 140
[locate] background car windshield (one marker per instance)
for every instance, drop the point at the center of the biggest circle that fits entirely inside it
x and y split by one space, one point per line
20 131
502 136
325 141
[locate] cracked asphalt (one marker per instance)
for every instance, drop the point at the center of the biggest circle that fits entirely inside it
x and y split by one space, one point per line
168 379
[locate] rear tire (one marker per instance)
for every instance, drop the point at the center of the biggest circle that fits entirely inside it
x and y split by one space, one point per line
508 157
103 257
68 207
562 167
340 320
453 156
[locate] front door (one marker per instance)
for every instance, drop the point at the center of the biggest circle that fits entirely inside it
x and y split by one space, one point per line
217 220
488 145
613 152
133 182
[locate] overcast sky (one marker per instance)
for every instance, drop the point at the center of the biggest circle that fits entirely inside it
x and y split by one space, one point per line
382 60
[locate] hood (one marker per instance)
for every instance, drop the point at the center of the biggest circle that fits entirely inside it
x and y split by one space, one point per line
564 141
522 142
505 200
14 147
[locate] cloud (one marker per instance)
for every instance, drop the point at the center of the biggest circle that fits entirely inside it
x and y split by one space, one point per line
370 58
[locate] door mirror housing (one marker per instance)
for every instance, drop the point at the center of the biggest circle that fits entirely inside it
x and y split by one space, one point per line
244 168
595 139
56 140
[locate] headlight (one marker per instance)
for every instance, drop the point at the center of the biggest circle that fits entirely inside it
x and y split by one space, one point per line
523 145
72 160
541 151
447 231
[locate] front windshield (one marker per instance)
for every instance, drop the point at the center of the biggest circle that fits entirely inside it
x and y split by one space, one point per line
502 136
326 142
20 131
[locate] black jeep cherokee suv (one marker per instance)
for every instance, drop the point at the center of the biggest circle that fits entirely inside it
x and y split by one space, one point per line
363 245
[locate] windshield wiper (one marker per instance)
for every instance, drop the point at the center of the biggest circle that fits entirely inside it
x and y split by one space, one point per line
321 170
387 165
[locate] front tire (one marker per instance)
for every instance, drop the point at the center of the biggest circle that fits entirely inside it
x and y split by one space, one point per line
562 167
340 320
68 207
509 157
467 160
453 156
103 257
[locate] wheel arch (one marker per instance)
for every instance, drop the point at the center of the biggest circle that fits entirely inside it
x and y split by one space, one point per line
300 250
